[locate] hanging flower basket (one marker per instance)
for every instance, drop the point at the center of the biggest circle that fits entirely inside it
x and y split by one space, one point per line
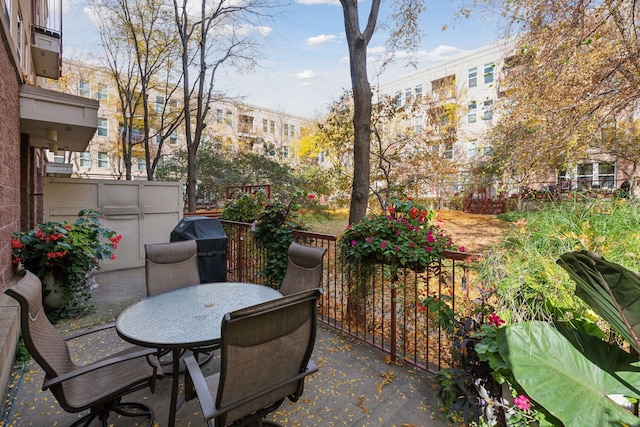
404 237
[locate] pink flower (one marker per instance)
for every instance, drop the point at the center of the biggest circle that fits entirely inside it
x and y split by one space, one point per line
353 243
523 402
368 239
397 248
428 249
430 237
495 320
383 244
461 248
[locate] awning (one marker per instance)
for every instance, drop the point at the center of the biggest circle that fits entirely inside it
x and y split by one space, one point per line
56 119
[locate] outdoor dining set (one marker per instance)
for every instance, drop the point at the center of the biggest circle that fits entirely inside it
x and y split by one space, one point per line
264 336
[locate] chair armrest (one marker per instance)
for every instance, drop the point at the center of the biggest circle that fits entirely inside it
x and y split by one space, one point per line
90 331
145 352
194 380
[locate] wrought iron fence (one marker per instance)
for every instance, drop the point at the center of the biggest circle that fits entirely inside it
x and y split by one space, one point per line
386 314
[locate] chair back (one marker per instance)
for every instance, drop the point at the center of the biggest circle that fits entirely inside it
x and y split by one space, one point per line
42 339
170 266
304 268
264 347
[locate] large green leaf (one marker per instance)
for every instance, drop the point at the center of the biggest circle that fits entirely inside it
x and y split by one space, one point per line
609 289
556 374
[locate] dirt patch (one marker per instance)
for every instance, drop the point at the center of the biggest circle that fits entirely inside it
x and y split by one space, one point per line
475 232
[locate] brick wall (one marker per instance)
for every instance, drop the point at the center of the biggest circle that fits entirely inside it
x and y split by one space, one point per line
10 194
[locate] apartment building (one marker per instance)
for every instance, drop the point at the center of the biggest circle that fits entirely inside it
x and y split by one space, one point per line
475 81
470 81
238 126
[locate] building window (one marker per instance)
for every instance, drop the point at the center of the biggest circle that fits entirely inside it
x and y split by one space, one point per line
173 138
219 116
417 128
321 157
407 95
103 127
418 92
398 99
285 152
84 88
472 109
102 94
159 104
142 164
473 77
448 151
272 126
85 159
488 72
472 148
229 117
173 105
293 130
606 175
103 160
487 110
286 129
58 158
265 125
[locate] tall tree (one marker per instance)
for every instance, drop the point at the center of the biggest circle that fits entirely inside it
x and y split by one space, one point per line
574 78
139 45
213 35
404 36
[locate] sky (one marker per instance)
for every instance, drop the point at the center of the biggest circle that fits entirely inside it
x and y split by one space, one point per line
304 65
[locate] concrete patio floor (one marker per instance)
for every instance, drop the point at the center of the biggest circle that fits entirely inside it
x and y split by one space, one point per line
353 387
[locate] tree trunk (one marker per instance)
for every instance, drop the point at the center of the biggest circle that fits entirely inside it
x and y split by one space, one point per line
358 42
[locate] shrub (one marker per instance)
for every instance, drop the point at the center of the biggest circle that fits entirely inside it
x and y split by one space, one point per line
246 207
71 252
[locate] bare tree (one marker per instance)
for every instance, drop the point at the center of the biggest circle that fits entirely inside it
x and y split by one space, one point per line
218 33
140 45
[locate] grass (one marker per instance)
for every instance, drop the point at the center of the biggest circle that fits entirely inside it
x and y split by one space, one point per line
523 266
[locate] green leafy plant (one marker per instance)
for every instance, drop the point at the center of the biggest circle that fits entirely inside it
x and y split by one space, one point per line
71 252
245 208
273 232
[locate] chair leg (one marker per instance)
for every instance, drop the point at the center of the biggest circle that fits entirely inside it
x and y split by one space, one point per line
126 409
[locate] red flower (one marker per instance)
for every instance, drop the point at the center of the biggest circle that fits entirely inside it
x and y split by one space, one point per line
112 257
16 244
495 320
311 196
16 260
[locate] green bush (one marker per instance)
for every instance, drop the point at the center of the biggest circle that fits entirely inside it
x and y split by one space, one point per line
530 285
245 208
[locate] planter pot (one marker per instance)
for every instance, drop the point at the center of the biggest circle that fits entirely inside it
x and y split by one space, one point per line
52 292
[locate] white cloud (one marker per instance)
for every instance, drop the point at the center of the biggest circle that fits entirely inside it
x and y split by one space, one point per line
306 75
321 39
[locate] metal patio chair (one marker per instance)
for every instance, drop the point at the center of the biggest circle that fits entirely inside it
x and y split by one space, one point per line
304 268
170 266
97 386
265 358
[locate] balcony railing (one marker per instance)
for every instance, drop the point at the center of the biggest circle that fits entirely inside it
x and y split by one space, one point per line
387 315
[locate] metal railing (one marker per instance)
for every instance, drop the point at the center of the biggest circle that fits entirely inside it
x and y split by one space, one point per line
386 314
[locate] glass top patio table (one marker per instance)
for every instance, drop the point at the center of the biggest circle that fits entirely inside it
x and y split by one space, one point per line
188 317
